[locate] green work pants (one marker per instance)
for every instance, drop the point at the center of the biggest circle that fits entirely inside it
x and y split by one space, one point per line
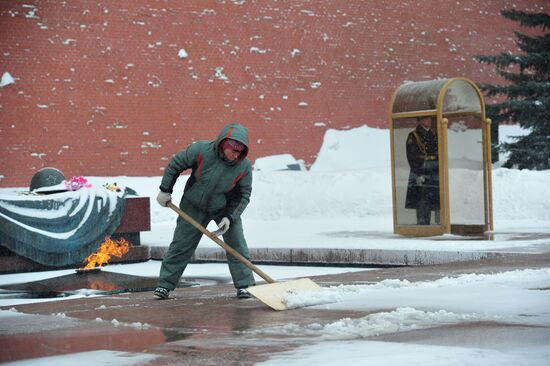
185 242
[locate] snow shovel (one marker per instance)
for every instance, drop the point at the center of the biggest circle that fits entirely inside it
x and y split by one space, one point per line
273 293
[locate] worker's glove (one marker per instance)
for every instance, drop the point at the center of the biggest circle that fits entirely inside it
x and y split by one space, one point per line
163 198
223 226
420 180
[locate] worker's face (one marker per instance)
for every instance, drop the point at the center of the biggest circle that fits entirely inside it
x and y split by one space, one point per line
426 122
231 154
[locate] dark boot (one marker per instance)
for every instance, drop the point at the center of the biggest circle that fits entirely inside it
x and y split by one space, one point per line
242 293
161 293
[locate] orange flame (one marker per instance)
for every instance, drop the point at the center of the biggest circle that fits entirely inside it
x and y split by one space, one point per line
107 249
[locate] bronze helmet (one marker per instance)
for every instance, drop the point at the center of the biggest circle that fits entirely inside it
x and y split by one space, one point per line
46 177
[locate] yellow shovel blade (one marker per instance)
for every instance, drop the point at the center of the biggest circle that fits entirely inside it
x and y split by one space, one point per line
273 294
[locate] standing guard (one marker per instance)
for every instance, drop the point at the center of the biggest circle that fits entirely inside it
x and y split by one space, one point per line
423 183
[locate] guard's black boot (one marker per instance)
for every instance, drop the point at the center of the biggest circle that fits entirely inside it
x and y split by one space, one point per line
242 293
162 293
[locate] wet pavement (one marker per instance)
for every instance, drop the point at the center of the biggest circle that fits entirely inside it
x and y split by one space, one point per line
95 281
208 325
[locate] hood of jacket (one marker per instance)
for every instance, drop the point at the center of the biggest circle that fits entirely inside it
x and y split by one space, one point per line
236 132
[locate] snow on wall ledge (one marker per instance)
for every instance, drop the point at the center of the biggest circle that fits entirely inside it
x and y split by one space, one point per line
103 89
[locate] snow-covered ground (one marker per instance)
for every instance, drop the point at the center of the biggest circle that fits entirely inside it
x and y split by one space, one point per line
399 354
344 201
513 297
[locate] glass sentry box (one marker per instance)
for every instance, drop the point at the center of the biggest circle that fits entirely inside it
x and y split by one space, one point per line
441 159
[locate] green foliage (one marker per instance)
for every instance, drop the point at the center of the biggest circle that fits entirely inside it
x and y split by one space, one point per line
527 92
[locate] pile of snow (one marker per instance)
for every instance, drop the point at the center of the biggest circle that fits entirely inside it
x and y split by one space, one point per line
351 178
362 148
278 162
400 320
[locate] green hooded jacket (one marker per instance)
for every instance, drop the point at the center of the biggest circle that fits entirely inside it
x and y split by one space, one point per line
216 186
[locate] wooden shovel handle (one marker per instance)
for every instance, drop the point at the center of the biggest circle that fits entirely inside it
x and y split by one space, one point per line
220 242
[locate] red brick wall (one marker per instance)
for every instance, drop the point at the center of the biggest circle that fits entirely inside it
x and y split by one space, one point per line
100 90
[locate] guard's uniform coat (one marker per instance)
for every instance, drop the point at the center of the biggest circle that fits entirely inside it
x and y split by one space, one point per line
422 155
217 188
